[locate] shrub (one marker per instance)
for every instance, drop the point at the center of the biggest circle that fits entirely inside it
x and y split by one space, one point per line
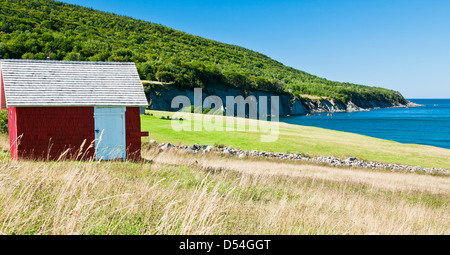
4 121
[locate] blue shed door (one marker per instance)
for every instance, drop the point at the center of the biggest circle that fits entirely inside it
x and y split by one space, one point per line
110 133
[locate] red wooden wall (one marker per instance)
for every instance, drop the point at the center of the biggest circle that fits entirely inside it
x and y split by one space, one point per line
12 129
46 132
2 95
133 133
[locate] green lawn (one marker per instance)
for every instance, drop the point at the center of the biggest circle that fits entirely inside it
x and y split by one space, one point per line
302 139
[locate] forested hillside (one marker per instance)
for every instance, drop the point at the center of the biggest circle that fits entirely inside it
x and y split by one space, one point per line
45 29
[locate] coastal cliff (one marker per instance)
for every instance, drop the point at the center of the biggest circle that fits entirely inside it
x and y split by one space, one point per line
160 98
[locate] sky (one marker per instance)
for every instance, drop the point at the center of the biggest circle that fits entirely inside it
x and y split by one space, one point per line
402 45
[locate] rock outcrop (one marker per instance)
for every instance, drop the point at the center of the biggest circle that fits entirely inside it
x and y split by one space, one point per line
160 98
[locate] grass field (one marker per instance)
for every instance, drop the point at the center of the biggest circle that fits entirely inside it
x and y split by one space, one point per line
302 139
205 194
176 193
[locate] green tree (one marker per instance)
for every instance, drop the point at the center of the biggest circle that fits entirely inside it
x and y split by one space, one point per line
73 56
164 76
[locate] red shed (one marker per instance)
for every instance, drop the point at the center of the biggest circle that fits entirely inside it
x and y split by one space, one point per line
57 107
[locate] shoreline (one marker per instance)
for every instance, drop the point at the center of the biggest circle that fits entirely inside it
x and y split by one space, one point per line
358 109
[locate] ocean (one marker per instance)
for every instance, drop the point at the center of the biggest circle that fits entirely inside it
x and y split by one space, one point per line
428 124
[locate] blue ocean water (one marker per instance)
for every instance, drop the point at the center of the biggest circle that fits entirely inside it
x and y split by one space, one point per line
428 124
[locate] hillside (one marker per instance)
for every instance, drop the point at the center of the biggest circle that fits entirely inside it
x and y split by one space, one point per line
45 29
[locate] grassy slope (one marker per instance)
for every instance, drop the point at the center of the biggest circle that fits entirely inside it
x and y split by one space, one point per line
306 140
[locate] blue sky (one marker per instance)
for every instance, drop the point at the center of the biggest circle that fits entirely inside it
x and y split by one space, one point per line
401 45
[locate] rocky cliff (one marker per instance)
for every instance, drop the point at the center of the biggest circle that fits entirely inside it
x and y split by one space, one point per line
160 98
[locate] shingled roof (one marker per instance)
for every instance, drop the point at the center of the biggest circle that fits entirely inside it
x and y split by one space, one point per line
71 83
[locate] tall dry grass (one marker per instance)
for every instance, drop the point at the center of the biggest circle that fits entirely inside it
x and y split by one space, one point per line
297 198
4 143
102 198
176 193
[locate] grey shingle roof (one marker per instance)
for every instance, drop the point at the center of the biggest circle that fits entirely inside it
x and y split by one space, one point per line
71 83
